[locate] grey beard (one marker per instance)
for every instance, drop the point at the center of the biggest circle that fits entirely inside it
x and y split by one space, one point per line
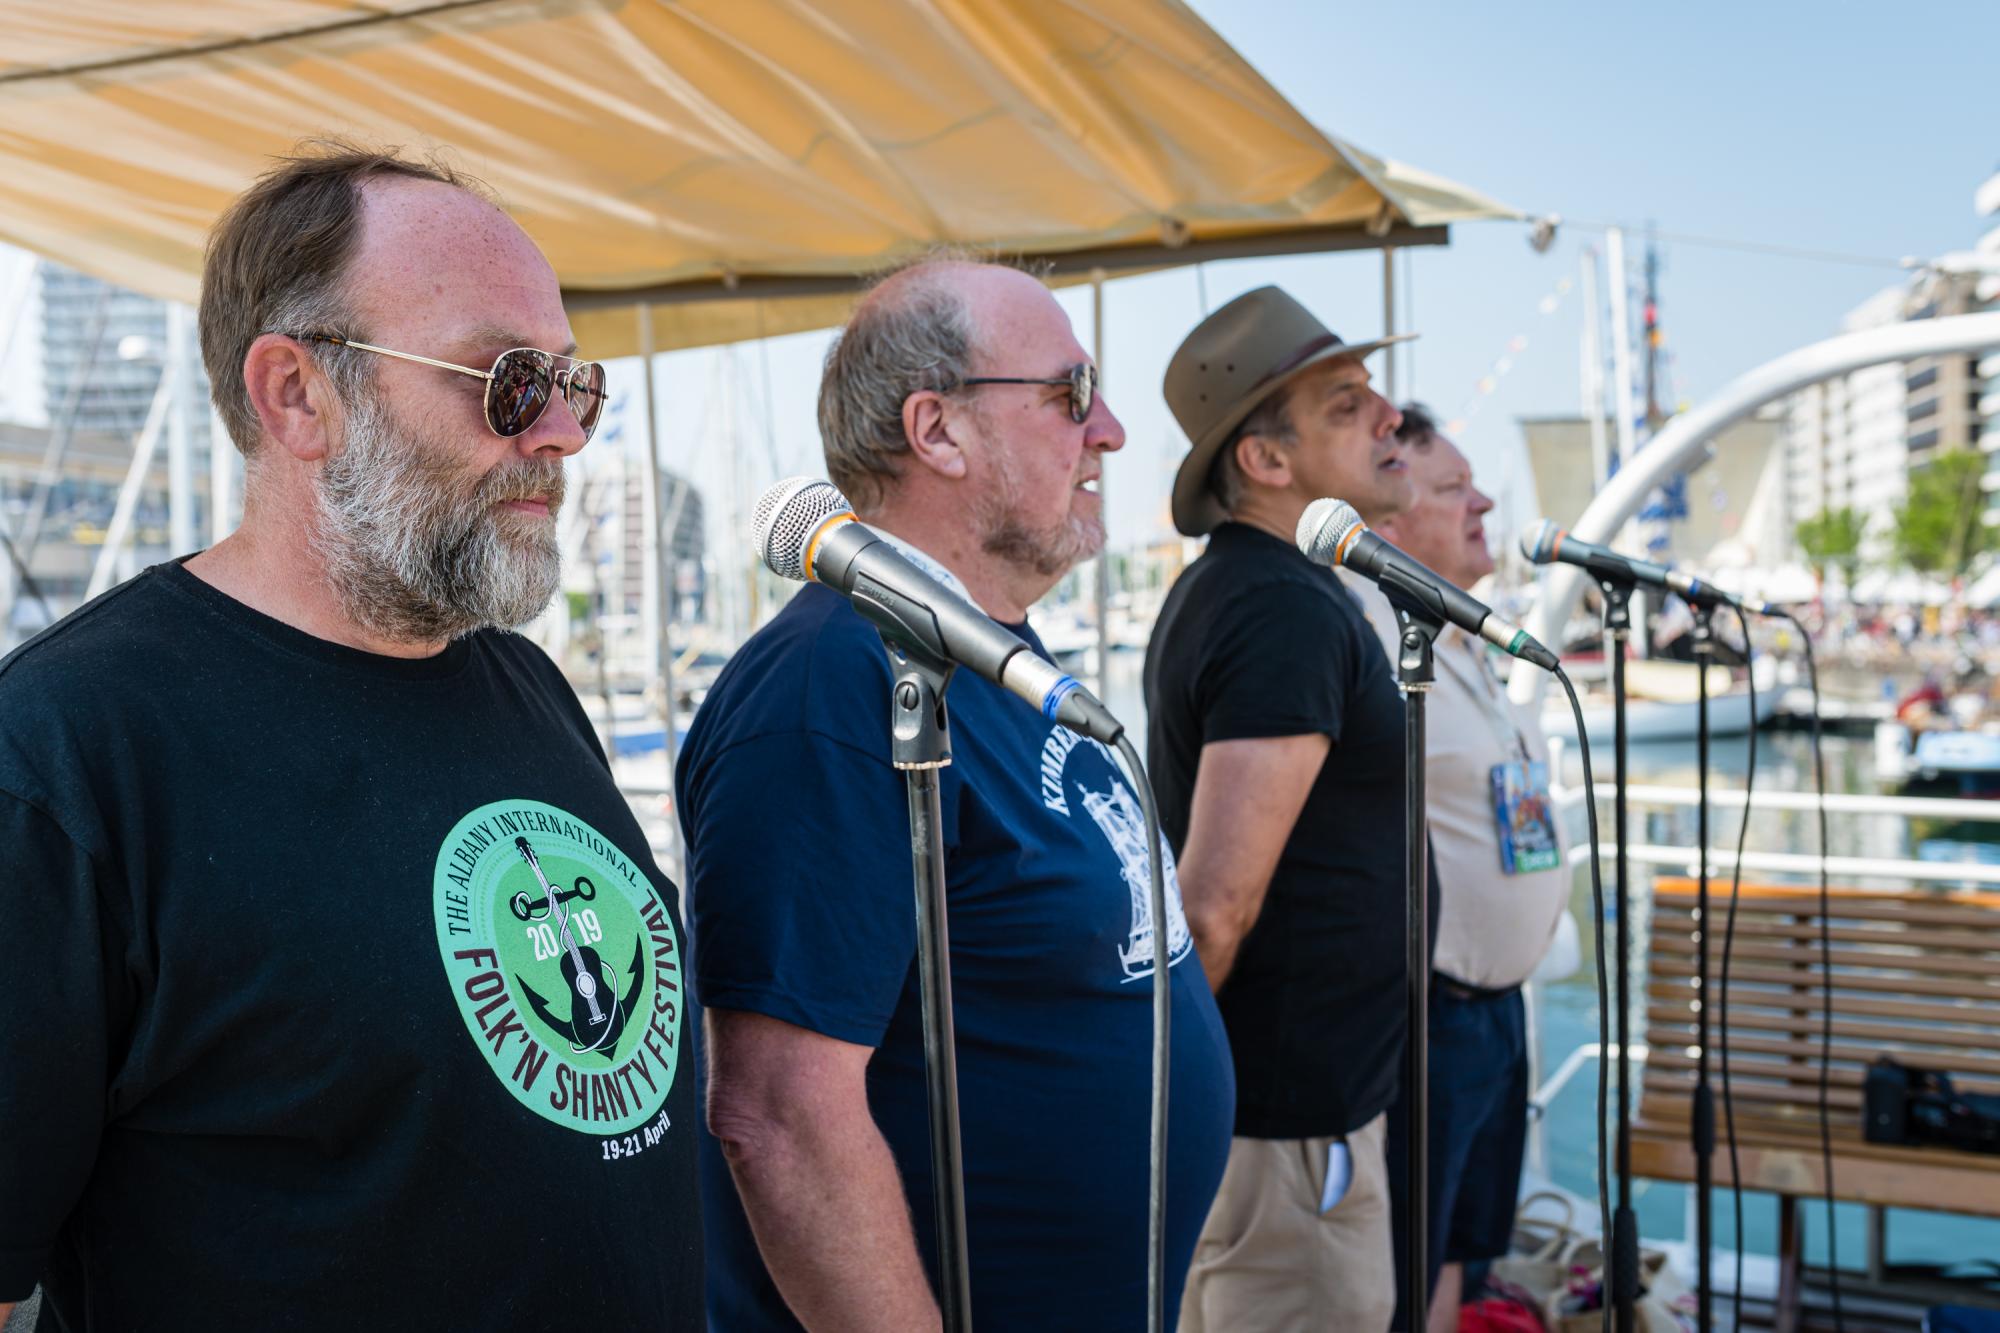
414 549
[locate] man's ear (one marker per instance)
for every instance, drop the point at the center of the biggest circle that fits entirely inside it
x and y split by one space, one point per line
293 401
1264 461
929 428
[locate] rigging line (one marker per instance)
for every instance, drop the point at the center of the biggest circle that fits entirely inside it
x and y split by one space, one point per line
28 585
372 18
1749 247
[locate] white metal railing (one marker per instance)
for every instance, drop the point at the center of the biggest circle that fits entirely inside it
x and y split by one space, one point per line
1846 803
1721 860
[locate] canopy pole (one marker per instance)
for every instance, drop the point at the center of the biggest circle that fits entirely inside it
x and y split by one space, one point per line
1621 342
180 437
659 571
1389 321
221 479
1103 500
1593 373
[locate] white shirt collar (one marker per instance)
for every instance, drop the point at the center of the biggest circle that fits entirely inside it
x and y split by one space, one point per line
923 560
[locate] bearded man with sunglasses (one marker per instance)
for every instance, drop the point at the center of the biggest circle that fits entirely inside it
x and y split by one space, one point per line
960 415
342 989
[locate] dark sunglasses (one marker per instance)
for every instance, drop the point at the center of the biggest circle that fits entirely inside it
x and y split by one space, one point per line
519 386
1082 382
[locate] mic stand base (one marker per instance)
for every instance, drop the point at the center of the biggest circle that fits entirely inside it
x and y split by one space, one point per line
1415 671
921 747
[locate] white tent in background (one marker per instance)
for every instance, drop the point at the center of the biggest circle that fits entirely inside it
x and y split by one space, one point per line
1902 587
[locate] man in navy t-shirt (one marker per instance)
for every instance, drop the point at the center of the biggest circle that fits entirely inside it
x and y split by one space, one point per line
960 415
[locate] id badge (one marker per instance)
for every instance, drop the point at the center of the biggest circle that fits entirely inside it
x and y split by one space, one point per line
1526 818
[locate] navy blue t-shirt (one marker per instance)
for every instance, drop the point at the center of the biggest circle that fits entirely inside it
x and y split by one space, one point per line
803 910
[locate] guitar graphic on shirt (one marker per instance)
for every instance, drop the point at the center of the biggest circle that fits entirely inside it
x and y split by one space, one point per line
597 1013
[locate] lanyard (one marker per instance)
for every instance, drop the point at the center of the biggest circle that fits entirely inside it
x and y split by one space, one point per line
1492 698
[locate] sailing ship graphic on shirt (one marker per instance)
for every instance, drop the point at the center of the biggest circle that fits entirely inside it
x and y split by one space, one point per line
1123 823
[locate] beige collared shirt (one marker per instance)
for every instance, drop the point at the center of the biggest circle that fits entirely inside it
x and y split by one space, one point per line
1493 927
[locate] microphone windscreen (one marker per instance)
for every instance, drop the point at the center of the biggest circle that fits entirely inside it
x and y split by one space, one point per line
786 517
1324 527
1539 542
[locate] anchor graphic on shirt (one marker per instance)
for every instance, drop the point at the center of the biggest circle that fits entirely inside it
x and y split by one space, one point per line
592 1024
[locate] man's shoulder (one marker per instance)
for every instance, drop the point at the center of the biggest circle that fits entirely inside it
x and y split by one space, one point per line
1223 586
810 669
112 642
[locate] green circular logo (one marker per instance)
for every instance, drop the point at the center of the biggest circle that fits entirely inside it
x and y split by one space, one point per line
566 967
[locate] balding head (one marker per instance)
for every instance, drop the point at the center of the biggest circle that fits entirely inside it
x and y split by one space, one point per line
913 330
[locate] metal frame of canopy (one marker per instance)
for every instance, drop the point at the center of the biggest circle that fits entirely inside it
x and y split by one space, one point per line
1096 137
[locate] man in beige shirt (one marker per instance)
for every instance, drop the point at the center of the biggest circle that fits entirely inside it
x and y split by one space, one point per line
1501 882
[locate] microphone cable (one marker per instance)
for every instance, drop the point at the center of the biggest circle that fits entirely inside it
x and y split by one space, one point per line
1163 1006
1603 990
1826 970
1722 1000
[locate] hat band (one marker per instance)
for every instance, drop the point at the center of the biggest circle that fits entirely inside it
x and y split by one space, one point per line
1298 358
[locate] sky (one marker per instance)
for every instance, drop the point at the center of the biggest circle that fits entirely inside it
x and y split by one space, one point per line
1853 130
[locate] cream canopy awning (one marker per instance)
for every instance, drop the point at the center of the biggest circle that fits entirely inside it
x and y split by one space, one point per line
733 163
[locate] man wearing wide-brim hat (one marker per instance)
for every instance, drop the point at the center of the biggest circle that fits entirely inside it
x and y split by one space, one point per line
1276 736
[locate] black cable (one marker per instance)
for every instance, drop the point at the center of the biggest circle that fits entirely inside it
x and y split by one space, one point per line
1826 975
1603 988
1722 1000
1156 1192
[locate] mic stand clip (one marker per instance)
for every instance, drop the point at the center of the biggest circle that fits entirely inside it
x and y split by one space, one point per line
920 731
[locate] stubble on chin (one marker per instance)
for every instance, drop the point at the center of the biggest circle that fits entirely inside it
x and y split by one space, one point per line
1049 551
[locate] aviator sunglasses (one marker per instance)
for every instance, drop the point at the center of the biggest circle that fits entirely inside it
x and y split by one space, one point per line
1082 382
519 386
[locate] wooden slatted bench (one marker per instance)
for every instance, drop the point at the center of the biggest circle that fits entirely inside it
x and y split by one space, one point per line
1916 975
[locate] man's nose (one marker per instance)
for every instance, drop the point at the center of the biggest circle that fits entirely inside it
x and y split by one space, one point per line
555 434
1101 429
1391 419
1481 502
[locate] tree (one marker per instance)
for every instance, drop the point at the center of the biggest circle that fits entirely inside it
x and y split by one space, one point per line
1942 526
1831 539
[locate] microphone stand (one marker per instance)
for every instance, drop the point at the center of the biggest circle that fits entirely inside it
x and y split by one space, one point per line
921 736
1415 672
1701 1124
1624 1248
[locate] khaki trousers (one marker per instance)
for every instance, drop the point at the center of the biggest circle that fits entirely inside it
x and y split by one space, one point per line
1269 1261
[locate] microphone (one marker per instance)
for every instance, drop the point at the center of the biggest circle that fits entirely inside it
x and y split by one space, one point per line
1331 533
806 530
1545 543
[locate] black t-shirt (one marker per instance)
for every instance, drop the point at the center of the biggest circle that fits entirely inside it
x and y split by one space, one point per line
296 1033
1256 641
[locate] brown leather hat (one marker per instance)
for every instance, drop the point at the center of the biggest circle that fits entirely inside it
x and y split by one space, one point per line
1234 360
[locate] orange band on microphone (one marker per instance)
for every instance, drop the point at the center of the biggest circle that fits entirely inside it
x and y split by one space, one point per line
812 547
1340 551
1555 547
